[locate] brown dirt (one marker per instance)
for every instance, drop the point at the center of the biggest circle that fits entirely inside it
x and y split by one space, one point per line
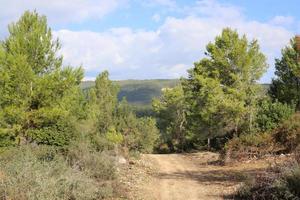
193 176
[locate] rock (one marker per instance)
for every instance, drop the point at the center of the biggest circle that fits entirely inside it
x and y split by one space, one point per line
131 162
121 160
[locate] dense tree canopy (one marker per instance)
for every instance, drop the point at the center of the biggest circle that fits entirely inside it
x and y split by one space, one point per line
270 114
106 100
41 102
38 95
115 121
222 88
286 86
171 115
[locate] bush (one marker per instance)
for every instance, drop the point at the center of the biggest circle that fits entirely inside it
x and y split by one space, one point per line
250 145
148 135
28 174
51 126
99 165
100 143
271 114
139 134
288 134
292 181
285 138
8 137
273 186
10 119
163 148
113 136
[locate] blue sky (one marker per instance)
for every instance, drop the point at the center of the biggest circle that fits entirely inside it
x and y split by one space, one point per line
145 39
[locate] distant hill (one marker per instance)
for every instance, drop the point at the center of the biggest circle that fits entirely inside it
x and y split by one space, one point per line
139 92
266 86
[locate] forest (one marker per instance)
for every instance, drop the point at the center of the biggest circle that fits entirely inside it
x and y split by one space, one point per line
62 140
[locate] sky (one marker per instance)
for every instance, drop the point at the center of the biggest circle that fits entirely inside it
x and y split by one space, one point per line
147 39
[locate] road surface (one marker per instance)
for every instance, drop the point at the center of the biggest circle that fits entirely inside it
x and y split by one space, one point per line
194 177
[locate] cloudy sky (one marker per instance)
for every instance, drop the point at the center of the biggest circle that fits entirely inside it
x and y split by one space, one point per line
144 39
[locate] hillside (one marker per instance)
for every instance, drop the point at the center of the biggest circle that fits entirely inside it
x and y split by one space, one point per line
139 92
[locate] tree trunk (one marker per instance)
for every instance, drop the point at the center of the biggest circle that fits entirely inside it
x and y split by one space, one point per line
297 89
236 130
208 143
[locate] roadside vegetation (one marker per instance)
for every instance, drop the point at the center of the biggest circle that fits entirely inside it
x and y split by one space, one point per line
221 106
59 141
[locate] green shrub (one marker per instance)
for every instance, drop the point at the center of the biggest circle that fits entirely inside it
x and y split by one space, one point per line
99 165
113 136
100 143
288 133
9 117
292 181
163 148
7 137
249 145
286 137
285 186
271 114
29 176
51 126
149 134
249 140
139 134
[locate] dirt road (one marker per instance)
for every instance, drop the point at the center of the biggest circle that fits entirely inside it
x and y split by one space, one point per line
194 177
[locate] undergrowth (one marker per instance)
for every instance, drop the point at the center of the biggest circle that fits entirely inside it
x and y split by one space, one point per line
47 173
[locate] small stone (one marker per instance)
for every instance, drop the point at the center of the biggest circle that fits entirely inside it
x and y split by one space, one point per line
122 160
131 162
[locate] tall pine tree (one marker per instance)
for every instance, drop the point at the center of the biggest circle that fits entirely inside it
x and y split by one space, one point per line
286 86
39 97
222 88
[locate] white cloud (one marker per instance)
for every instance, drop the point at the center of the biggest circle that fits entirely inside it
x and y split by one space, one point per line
156 17
120 50
89 78
211 8
165 52
170 3
166 3
59 11
283 20
175 71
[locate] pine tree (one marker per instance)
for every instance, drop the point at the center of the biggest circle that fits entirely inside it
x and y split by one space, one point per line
106 101
39 97
286 86
221 89
171 114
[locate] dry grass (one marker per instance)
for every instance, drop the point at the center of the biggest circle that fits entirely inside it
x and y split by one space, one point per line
37 173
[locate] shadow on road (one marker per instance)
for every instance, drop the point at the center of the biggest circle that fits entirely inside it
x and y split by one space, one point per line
214 176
